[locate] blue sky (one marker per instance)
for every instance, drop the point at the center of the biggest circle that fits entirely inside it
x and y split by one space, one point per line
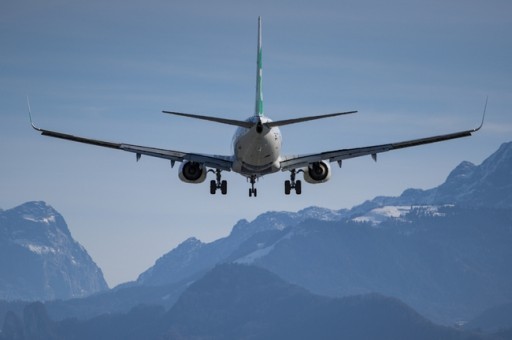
106 70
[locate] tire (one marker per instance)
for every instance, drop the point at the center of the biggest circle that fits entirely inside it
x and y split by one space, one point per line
213 187
287 187
298 187
224 187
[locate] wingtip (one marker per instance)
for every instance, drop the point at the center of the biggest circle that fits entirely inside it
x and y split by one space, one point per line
483 115
30 116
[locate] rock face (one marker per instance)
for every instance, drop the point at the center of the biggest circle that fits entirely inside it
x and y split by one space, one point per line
39 260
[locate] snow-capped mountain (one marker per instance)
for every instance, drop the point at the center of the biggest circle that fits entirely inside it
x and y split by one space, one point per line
444 251
39 260
398 212
486 185
193 256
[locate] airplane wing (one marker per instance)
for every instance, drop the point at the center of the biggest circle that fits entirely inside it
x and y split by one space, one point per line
212 161
300 161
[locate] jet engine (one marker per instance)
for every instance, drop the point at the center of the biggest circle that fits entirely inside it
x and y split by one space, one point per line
192 172
317 172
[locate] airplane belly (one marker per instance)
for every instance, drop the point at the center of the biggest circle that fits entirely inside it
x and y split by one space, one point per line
258 152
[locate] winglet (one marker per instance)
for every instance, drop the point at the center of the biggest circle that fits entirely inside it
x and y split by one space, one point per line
30 116
483 116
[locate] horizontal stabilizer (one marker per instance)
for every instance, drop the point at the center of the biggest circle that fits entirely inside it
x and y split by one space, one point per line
305 119
240 123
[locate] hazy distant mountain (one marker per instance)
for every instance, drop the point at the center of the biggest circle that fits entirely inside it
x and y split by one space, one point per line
39 260
444 251
493 319
243 302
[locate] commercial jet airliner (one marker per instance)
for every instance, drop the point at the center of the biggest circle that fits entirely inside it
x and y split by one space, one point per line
257 148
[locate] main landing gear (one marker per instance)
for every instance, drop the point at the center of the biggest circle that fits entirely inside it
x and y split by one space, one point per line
218 183
293 184
252 189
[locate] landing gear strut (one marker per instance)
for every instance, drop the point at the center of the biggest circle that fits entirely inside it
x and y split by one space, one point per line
252 189
293 184
218 183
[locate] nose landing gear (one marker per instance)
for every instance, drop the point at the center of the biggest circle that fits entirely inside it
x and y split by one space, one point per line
252 190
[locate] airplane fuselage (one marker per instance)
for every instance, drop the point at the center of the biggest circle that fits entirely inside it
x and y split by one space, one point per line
257 150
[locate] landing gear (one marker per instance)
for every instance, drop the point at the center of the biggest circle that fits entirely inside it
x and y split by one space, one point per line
218 184
293 184
252 190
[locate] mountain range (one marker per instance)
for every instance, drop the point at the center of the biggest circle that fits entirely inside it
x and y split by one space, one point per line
243 302
445 252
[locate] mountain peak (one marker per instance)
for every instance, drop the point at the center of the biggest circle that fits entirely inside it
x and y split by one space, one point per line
36 209
499 162
463 171
470 185
40 260
485 185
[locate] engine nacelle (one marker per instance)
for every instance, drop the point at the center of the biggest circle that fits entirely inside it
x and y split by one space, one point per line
192 172
318 172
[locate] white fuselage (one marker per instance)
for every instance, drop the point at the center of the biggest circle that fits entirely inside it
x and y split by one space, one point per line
257 150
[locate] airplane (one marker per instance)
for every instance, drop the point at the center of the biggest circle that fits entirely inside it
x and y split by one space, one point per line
257 147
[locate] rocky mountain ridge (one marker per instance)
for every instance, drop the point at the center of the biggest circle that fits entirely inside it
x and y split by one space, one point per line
486 185
40 260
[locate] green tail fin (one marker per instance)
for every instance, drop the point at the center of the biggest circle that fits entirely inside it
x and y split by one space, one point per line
259 75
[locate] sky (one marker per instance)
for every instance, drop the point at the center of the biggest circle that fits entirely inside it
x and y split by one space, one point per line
106 70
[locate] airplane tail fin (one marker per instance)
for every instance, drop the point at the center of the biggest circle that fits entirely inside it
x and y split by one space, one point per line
259 103
259 74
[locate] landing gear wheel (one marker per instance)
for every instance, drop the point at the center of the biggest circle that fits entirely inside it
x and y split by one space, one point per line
218 183
213 187
253 192
293 184
287 187
298 187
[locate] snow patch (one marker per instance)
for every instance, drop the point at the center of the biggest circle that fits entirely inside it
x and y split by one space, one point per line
45 220
379 215
250 258
40 249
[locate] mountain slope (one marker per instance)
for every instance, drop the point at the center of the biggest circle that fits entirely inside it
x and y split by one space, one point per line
493 319
39 260
486 185
237 301
447 267
192 256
